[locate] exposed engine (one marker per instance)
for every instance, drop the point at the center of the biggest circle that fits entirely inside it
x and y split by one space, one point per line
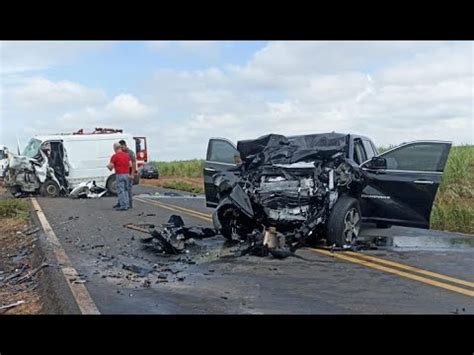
291 193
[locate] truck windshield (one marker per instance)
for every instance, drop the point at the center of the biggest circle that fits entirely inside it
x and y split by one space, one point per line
32 148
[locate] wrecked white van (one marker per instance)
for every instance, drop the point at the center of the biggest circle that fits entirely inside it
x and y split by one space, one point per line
53 165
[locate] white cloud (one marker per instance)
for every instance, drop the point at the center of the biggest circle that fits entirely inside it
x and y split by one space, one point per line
124 110
40 93
128 106
390 91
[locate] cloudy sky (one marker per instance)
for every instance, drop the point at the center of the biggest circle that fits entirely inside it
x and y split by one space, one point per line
179 94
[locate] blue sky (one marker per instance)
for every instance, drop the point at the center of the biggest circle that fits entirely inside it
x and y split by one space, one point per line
127 64
181 93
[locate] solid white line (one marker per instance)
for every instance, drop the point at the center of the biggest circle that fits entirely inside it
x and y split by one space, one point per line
79 291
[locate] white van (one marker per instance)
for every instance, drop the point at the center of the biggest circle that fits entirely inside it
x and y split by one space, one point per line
55 164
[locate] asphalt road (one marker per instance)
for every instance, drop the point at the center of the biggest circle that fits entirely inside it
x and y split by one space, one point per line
211 280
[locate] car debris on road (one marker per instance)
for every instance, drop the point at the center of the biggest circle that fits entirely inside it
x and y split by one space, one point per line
172 237
88 190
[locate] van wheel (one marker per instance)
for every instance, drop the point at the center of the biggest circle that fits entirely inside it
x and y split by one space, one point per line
344 222
49 189
112 185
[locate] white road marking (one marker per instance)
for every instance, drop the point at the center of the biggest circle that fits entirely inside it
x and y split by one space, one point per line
79 291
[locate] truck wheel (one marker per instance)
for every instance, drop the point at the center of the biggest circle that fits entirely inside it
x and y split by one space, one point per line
344 222
112 185
49 189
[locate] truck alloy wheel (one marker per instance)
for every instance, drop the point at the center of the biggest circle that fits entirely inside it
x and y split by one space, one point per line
351 225
344 222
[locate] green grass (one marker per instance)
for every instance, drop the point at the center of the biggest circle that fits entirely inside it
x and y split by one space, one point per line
180 168
14 209
454 205
184 186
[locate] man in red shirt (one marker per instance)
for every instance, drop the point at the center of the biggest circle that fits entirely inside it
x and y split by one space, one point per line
120 161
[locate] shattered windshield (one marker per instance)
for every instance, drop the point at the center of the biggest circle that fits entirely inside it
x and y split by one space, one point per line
32 148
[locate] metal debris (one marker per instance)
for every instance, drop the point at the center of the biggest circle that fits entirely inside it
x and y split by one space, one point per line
141 271
173 237
11 305
88 190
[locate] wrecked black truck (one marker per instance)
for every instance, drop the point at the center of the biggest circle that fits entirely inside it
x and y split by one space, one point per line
293 191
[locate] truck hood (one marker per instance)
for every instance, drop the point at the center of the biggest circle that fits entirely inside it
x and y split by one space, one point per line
274 149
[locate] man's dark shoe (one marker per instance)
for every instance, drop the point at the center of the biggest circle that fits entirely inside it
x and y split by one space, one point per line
121 209
116 206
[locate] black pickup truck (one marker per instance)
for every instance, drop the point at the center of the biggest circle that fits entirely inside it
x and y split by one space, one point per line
320 185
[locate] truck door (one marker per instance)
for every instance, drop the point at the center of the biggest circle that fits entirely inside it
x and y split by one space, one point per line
402 186
221 156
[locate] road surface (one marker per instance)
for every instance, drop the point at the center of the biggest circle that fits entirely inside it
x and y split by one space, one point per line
416 272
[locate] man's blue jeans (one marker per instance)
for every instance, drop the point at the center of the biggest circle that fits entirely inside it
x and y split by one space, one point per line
130 194
122 190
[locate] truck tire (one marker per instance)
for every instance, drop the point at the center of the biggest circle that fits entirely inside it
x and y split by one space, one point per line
49 188
112 185
344 222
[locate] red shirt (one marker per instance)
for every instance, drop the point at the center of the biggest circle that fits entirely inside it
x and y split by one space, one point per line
121 162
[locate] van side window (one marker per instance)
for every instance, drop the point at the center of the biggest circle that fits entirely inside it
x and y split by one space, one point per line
221 151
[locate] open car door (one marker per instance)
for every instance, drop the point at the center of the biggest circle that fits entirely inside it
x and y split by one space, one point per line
221 155
403 183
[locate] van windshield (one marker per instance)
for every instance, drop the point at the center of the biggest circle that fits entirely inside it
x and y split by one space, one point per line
32 148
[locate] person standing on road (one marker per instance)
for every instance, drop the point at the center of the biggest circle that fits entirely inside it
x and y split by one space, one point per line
132 170
120 161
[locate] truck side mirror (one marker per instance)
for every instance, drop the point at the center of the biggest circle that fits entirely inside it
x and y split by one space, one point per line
377 163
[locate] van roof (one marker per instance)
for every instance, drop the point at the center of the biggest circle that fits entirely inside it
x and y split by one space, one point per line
83 137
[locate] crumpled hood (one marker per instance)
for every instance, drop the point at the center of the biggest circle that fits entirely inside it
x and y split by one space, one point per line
278 149
20 162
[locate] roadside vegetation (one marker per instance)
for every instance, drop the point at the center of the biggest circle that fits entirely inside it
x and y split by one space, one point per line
453 209
184 175
182 168
14 208
454 205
